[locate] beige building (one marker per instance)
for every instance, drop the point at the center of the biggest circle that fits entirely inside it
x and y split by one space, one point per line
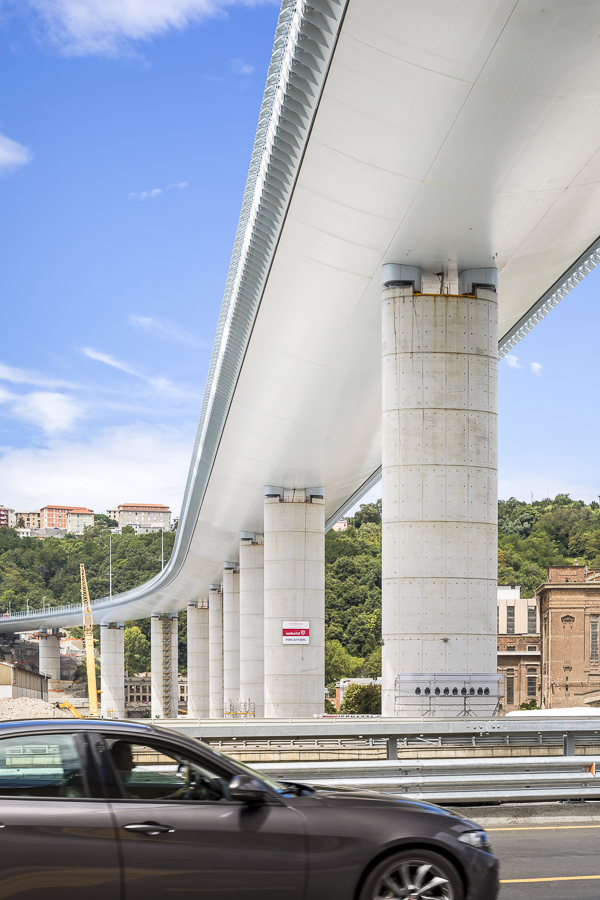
519 642
144 517
570 611
32 518
7 517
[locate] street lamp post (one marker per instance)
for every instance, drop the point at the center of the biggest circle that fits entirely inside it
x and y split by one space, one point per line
162 548
110 566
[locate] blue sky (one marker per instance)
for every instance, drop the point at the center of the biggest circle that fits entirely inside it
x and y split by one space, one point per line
125 134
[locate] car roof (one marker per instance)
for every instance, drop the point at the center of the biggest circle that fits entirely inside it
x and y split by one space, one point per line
73 725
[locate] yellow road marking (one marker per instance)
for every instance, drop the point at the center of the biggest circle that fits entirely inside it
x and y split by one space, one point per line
540 827
556 878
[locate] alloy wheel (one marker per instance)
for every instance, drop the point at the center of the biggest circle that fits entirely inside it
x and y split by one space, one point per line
414 879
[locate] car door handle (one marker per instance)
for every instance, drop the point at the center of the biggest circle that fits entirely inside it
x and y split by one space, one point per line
148 828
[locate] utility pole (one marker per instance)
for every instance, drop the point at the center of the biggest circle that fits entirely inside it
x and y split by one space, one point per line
110 566
162 547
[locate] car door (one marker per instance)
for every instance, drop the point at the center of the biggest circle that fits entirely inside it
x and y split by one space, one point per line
180 832
57 840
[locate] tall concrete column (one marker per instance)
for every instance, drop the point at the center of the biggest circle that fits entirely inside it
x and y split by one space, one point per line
164 668
49 654
294 595
439 486
252 648
215 651
231 635
112 670
197 659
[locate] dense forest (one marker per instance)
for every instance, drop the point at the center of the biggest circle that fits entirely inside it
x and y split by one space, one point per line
531 536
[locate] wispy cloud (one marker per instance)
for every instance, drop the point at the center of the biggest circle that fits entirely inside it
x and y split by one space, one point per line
110 361
12 154
160 384
513 362
23 376
536 368
155 192
108 27
166 330
241 68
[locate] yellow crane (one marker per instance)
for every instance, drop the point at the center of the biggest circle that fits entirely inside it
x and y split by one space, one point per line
71 708
88 642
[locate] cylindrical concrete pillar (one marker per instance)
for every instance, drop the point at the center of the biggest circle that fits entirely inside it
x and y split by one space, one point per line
252 641
49 655
112 671
215 651
231 637
439 486
294 622
197 659
164 665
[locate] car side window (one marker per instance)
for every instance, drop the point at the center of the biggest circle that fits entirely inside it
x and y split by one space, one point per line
42 765
152 772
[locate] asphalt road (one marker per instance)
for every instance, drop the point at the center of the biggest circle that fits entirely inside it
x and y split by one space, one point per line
549 862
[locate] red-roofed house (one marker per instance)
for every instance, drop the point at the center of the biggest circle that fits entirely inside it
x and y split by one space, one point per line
67 518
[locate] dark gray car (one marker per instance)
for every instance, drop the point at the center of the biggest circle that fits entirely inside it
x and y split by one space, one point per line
96 809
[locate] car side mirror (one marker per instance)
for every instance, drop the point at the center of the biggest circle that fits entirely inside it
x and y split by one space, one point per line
247 789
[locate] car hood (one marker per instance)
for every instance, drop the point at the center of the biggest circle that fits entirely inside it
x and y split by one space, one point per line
347 797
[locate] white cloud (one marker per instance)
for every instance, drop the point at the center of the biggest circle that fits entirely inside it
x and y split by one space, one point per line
145 195
536 368
81 27
241 68
109 361
118 465
52 412
13 155
22 376
150 195
513 362
173 332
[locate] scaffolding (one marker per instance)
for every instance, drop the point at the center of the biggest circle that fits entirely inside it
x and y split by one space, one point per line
169 707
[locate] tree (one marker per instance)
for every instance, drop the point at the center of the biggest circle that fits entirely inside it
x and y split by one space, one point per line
362 699
137 651
368 512
339 663
20 522
330 708
101 519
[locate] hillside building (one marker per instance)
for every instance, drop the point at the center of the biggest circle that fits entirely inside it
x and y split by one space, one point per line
73 519
569 602
144 517
7 517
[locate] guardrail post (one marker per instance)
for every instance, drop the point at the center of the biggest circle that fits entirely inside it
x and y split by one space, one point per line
392 748
569 744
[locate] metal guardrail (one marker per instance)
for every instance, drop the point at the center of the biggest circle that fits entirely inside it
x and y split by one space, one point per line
454 781
400 734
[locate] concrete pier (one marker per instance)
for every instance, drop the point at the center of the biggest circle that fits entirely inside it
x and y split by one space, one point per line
112 670
439 487
294 614
164 669
215 651
231 635
49 655
197 659
252 650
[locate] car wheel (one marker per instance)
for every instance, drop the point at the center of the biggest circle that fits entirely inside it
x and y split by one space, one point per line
413 875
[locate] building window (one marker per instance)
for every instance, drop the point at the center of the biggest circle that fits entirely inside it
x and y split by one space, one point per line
511 648
594 638
531 686
531 620
510 620
510 689
532 648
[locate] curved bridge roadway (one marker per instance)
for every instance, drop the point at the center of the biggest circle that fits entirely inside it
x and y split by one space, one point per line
445 135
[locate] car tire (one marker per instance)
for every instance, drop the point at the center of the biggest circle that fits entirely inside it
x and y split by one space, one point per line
403 876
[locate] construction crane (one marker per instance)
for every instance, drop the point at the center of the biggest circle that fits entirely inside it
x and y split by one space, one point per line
88 641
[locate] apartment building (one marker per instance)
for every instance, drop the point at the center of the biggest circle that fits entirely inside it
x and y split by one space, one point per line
144 517
67 518
7 517
519 647
32 518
